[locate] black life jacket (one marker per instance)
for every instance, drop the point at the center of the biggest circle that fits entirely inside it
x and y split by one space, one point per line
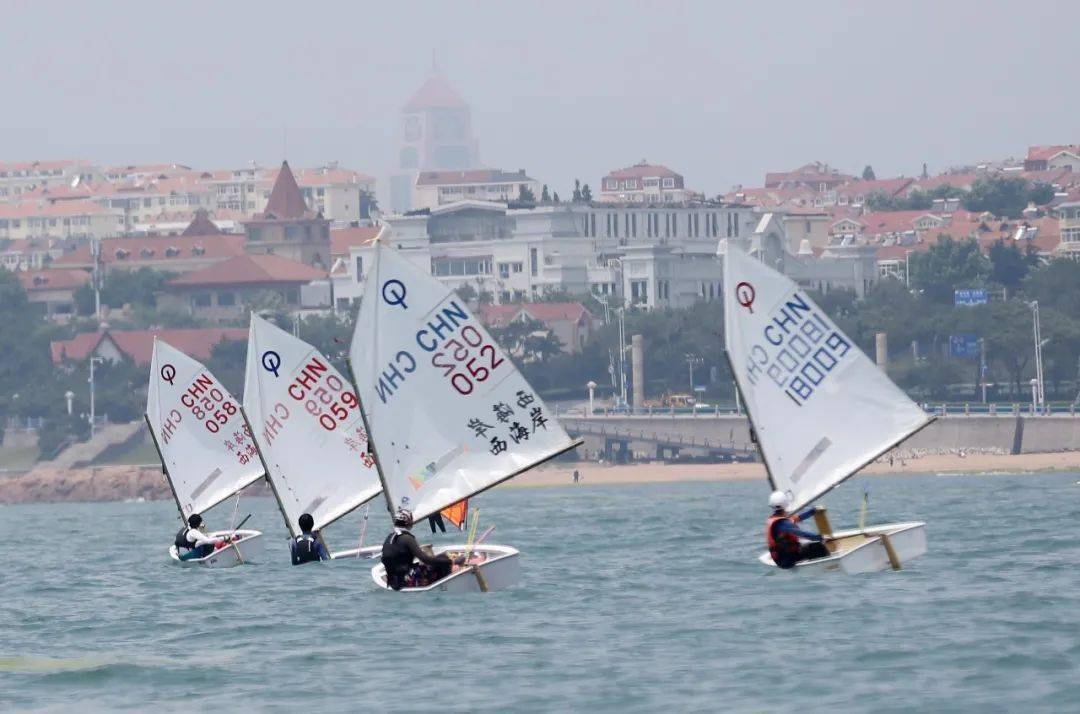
305 549
783 547
397 559
181 540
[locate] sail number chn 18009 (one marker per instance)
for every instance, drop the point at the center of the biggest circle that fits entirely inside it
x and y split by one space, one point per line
801 347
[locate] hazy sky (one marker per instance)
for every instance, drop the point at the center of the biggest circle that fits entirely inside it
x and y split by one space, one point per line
720 92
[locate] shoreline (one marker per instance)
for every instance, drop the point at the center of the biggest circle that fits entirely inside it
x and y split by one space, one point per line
128 483
661 472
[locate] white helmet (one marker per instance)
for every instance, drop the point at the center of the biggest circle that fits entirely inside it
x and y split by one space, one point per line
779 499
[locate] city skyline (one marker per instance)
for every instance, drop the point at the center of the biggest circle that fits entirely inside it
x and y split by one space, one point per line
714 93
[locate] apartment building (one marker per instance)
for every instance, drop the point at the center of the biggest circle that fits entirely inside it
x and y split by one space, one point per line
518 254
19 177
644 183
78 219
1069 222
438 188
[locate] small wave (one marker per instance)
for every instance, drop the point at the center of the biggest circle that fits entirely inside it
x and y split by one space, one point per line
52 665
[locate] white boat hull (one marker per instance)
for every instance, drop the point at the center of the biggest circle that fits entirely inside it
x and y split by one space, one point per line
864 551
499 569
248 548
366 553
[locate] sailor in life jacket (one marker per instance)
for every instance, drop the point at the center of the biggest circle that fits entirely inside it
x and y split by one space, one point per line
400 550
192 543
782 534
306 547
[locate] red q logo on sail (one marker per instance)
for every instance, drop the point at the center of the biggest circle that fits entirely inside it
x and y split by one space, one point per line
744 293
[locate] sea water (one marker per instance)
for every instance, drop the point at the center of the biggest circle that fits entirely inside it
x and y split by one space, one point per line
633 598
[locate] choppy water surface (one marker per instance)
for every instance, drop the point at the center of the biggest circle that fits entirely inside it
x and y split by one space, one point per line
633 599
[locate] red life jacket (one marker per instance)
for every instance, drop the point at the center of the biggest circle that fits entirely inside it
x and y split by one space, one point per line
786 545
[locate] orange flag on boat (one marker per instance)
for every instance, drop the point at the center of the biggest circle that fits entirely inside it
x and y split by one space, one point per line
457 514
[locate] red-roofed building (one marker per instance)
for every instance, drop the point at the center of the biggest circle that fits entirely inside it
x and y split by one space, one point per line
856 192
887 226
1058 156
178 254
28 253
960 181
343 240
644 183
288 227
570 322
80 218
138 345
435 134
54 289
20 177
437 188
434 93
815 176
226 290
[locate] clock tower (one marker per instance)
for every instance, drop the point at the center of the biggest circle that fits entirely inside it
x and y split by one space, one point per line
434 133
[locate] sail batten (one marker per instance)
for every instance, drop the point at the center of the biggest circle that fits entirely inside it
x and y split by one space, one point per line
308 426
207 452
447 410
821 409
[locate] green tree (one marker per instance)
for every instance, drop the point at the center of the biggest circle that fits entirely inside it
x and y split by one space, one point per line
868 173
369 204
998 195
227 362
586 193
555 197
1009 265
1055 285
576 197
915 201
137 288
466 292
948 264
1040 194
525 194
545 195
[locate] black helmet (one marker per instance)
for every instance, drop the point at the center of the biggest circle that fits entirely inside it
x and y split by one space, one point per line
306 522
403 518
194 520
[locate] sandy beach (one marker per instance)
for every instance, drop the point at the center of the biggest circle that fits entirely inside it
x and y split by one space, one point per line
659 472
121 483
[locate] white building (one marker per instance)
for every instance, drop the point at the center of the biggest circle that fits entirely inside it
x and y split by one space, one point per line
438 188
654 257
644 183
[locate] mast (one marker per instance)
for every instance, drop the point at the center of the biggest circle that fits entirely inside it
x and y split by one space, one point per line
266 469
750 419
164 467
370 439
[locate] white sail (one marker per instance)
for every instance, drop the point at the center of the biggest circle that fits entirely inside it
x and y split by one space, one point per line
821 409
207 452
308 424
448 412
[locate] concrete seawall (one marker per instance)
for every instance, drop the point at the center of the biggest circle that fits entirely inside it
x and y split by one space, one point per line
1007 434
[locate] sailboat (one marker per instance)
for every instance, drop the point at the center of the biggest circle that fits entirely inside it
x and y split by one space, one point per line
309 431
819 408
206 450
448 414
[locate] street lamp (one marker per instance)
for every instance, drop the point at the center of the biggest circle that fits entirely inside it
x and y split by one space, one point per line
591 386
93 361
1038 385
691 360
70 397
